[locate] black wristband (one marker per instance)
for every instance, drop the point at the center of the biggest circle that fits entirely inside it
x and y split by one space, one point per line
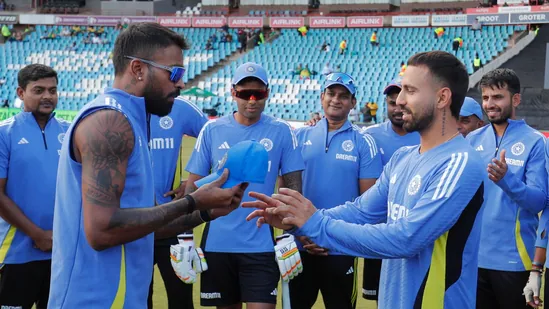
205 216
191 202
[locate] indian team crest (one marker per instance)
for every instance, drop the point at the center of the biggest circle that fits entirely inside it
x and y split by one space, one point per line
250 69
414 185
166 122
517 149
348 145
267 143
61 137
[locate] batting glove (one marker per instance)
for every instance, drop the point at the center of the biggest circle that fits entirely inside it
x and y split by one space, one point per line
287 257
187 261
533 287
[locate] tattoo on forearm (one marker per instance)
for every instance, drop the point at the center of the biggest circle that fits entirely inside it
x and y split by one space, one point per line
179 225
292 181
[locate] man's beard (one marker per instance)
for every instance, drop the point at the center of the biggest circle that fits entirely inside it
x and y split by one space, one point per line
420 122
156 104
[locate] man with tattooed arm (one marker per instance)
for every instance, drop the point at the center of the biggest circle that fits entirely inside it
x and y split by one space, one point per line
104 217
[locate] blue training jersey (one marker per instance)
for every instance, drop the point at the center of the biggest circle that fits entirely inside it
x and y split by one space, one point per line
117 277
542 236
388 141
422 218
232 233
512 204
28 153
166 135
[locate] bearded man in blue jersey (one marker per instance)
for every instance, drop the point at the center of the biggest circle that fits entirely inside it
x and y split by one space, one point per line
105 217
421 216
513 154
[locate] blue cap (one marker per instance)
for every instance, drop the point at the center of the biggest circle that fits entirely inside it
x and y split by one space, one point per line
470 107
395 83
247 161
250 69
342 79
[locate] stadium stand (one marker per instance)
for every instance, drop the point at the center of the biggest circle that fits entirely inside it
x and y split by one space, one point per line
85 72
295 99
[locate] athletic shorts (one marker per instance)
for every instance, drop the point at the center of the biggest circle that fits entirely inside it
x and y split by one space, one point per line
370 279
501 289
23 285
234 278
335 276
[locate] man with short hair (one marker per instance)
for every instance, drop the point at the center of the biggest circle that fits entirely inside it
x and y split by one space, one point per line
105 220
422 214
470 116
389 137
515 192
241 258
29 152
342 161
166 136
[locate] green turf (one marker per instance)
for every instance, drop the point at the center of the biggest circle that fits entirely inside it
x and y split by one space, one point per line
160 300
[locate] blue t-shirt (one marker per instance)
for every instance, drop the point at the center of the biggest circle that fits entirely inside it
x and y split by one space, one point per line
542 236
117 277
29 154
513 203
335 162
423 218
232 233
166 136
388 141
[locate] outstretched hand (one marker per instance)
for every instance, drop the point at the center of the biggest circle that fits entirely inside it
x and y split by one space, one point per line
284 210
211 195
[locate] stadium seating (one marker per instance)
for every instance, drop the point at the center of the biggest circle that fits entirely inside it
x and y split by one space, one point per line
372 67
85 72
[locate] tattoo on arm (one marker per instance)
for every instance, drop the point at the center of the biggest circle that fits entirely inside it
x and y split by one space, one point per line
109 143
179 225
292 181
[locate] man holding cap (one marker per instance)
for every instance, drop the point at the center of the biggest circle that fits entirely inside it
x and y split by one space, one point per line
241 259
470 116
340 165
389 137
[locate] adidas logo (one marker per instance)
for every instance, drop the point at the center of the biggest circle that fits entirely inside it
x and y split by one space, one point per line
479 148
225 145
274 292
350 271
308 143
23 141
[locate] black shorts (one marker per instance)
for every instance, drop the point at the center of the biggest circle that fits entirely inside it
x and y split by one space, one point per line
335 276
180 294
370 279
23 285
234 278
501 289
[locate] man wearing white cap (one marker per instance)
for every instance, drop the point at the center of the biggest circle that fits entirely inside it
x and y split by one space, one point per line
241 258
470 116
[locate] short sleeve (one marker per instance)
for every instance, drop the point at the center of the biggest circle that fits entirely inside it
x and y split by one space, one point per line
371 165
292 159
200 161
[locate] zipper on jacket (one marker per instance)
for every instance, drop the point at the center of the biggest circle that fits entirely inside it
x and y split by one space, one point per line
501 140
44 131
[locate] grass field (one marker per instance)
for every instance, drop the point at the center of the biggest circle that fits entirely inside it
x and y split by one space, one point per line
160 300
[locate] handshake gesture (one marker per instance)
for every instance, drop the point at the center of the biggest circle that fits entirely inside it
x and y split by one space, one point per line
187 261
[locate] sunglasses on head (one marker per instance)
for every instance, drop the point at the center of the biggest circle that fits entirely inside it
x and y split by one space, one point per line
251 94
176 72
343 79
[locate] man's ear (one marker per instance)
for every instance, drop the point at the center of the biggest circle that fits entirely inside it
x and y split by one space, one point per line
444 98
515 100
353 100
20 93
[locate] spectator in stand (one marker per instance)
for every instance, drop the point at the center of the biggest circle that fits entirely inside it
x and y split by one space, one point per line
342 47
76 30
327 69
366 116
476 25
477 64
305 73
456 44
373 110
373 39
439 32
303 31
65 32
403 67
323 47
209 45
328 48
6 32
243 40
